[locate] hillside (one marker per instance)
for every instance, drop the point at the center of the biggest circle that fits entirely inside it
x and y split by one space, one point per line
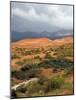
49 61
40 42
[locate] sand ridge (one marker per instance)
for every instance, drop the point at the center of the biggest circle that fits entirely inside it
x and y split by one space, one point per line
41 42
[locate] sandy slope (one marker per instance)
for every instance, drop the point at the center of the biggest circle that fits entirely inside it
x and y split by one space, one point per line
37 43
41 42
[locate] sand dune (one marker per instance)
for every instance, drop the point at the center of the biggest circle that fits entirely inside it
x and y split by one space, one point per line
41 42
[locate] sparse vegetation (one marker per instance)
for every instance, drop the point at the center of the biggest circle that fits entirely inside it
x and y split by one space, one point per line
51 65
56 82
15 56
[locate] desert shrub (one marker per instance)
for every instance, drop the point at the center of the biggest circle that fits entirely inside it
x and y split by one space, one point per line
15 56
21 88
32 66
25 67
36 51
19 63
68 86
48 56
68 71
35 66
45 63
23 75
61 63
37 57
55 70
34 87
55 63
49 63
56 82
19 75
51 84
28 52
32 73
65 51
18 49
42 80
13 73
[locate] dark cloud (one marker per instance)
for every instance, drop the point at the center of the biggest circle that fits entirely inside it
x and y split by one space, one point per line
40 17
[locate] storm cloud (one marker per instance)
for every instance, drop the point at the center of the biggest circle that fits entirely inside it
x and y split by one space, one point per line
40 17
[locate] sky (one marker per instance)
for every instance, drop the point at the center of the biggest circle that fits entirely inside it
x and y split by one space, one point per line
34 17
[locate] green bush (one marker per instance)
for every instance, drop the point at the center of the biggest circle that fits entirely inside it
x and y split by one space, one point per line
48 56
19 63
15 56
37 57
68 86
56 82
66 50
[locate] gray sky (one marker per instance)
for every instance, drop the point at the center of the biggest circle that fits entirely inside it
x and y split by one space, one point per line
40 17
